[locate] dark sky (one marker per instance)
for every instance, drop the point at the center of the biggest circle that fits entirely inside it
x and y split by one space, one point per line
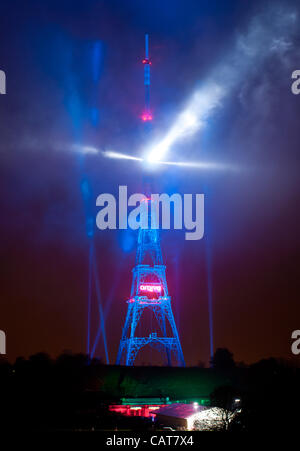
74 79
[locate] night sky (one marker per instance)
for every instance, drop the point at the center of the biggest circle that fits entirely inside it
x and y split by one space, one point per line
75 79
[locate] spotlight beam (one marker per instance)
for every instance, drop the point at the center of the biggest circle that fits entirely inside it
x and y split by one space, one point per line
120 156
184 164
245 58
190 120
198 164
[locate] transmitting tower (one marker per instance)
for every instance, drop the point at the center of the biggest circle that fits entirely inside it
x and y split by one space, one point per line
149 289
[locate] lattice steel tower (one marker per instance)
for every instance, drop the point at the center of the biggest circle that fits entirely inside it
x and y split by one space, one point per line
149 288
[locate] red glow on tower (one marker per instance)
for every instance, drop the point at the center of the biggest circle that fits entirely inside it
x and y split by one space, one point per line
146 117
151 288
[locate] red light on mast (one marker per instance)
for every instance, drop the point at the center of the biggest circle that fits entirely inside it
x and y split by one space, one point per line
146 61
146 117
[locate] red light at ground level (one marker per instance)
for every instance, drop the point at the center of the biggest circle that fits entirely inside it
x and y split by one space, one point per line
130 411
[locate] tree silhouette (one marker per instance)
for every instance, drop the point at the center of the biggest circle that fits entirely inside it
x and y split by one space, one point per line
222 360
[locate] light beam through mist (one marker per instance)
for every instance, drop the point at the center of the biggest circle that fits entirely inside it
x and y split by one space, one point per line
269 34
189 121
122 156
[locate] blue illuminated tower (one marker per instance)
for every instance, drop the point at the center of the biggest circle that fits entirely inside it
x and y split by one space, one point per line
149 289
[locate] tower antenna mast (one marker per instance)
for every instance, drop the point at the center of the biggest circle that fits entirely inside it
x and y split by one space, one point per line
147 115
